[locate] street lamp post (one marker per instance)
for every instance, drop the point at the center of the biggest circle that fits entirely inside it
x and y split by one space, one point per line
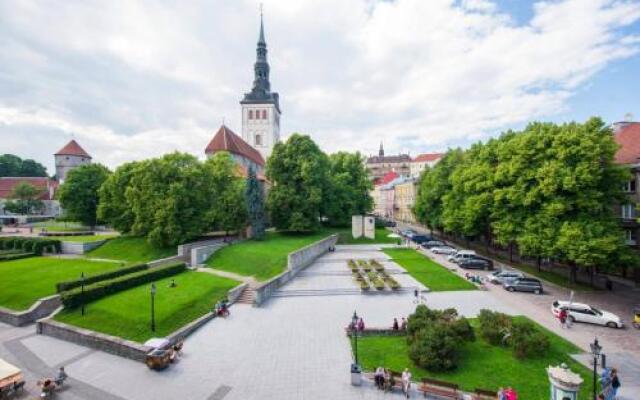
153 311
596 349
354 332
82 293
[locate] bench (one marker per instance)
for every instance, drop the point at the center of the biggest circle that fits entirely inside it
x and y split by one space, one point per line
483 394
438 388
396 377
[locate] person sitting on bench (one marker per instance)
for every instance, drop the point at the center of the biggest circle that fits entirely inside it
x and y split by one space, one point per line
378 378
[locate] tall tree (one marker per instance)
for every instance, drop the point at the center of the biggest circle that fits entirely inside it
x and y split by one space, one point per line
350 188
113 207
228 208
24 199
298 170
254 198
78 195
11 165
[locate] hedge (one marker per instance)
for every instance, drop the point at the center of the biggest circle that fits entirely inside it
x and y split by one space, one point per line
75 297
30 244
15 256
72 284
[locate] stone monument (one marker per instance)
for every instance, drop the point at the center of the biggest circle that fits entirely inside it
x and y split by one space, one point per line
357 226
369 227
565 384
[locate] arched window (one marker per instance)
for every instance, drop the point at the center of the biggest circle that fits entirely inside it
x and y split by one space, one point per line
258 139
264 114
250 114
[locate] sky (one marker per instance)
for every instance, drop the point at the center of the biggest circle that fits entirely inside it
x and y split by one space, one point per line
131 80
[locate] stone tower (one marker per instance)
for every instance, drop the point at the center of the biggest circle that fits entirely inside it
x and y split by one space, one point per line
261 107
68 158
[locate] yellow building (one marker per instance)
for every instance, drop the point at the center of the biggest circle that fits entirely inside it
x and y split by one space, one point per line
405 199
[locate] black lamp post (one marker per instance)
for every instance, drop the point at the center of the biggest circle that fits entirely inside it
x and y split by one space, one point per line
596 349
153 310
82 293
354 332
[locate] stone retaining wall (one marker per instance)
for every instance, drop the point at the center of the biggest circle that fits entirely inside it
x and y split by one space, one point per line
200 254
80 248
39 309
297 261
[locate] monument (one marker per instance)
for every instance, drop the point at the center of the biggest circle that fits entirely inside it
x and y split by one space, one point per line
363 226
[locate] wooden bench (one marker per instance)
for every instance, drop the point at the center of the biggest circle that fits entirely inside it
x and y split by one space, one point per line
483 394
438 388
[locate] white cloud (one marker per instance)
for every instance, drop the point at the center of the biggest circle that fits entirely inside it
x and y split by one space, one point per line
135 79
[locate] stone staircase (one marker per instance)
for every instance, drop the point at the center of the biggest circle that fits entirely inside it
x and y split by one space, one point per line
247 296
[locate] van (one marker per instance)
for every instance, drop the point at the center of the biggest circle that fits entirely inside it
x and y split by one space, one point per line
462 255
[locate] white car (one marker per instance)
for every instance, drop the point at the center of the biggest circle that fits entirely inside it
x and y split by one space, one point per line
499 277
461 255
448 250
580 312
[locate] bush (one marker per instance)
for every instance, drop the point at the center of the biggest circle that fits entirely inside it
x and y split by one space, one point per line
30 245
15 256
68 285
75 297
528 340
494 326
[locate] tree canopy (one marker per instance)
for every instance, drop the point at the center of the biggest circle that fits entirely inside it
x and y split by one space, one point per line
78 194
349 188
11 165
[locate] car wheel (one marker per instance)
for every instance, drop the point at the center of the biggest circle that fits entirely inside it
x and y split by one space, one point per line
511 289
612 324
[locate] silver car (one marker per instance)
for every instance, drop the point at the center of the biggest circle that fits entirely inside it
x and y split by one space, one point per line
499 277
448 250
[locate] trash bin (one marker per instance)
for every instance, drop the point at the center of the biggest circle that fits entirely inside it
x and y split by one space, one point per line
356 375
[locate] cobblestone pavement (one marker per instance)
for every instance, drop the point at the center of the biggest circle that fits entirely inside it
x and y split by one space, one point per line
292 348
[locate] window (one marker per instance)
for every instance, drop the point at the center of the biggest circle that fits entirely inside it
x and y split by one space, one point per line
264 114
630 237
628 211
250 114
630 186
258 139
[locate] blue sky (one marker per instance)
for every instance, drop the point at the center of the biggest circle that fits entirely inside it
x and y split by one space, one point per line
136 79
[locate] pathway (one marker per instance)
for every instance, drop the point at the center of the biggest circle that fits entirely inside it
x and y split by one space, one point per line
225 274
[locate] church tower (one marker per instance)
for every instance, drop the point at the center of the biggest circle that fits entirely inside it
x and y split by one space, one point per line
261 107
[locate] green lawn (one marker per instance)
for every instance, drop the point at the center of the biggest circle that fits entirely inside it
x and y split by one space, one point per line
262 259
127 314
382 236
59 226
86 239
131 249
481 365
27 280
426 271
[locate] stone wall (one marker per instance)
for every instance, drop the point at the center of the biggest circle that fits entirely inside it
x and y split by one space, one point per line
163 261
184 250
99 341
80 248
40 309
297 261
200 254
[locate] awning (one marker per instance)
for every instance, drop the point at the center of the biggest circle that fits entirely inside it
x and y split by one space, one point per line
9 373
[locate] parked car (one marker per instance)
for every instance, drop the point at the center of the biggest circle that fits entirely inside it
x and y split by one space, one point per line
523 285
504 275
420 239
476 262
408 233
461 255
448 250
579 312
433 243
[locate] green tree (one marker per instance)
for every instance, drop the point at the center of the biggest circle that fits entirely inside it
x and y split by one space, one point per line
298 170
113 207
254 197
24 199
228 207
78 195
11 165
350 188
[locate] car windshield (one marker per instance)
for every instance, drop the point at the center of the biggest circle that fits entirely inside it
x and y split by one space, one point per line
595 310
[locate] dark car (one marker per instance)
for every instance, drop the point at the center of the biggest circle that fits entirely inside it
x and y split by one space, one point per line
476 262
420 239
524 285
433 243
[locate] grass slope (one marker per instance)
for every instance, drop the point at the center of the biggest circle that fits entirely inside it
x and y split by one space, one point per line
131 249
481 365
261 259
127 314
382 236
27 280
426 271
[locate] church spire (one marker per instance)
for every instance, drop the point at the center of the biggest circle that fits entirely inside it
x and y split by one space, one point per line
261 39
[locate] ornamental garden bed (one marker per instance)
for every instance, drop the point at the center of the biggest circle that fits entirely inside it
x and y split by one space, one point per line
371 275
126 314
26 280
426 271
480 364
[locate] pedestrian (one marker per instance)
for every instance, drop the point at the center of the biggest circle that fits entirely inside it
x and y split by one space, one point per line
403 326
615 382
501 395
562 317
395 326
416 295
511 394
406 382
379 377
361 325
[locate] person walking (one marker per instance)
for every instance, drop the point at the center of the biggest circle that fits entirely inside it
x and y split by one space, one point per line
361 325
615 382
562 317
406 382
395 326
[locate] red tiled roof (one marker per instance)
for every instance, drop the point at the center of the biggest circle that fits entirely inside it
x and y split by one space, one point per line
628 137
386 178
225 139
72 149
7 184
428 157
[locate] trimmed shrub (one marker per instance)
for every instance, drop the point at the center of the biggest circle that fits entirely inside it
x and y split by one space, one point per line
495 327
15 256
528 340
30 244
75 297
72 284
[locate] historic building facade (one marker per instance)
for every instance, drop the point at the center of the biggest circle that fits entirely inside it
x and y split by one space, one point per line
627 135
242 153
380 165
71 156
423 161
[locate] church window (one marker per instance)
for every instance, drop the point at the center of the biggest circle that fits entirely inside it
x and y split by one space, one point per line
264 114
258 139
250 114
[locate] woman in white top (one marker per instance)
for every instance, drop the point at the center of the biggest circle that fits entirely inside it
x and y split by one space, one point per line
406 381
379 377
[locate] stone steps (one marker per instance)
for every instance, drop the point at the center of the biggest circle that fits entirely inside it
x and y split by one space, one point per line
247 296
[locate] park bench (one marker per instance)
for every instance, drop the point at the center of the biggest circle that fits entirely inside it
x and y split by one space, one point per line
483 394
438 388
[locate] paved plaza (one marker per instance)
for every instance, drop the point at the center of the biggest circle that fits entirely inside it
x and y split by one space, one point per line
294 347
